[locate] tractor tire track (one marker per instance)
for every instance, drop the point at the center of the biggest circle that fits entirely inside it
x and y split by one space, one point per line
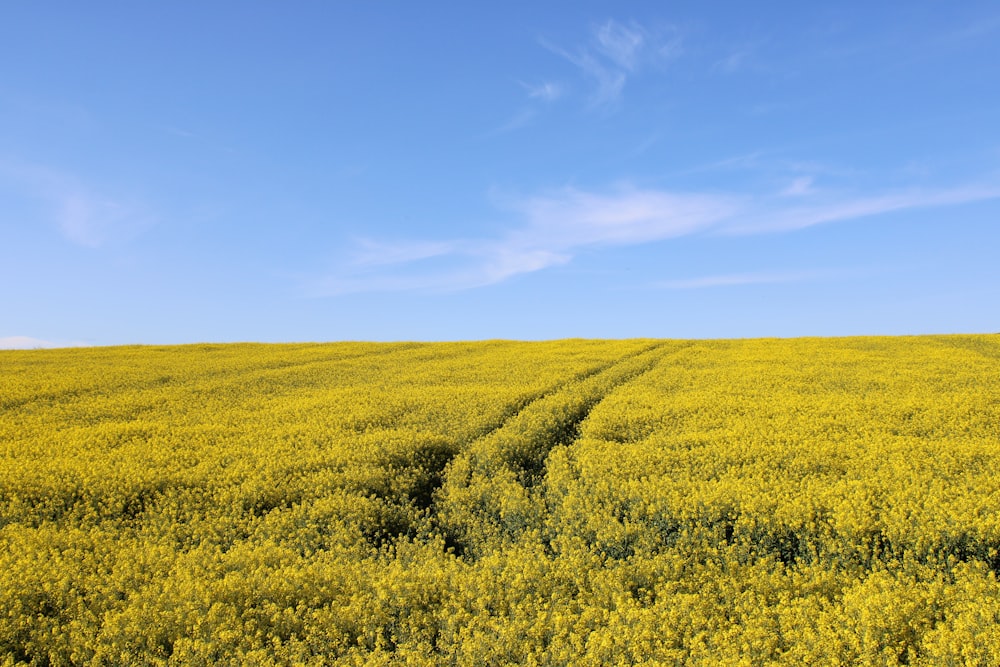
485 498
433 460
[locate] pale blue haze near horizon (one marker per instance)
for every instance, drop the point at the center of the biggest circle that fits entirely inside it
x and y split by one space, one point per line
307 171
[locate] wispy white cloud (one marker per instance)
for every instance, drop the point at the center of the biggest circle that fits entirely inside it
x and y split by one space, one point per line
834 209
29 343
547 92
619 43
374 253
515 122
607 79
644 145
733 62
799 176
742 57
83 215
617 51
91 219
472 264
571 218
178 131
734 162
554 227
800 186
754 278
540 96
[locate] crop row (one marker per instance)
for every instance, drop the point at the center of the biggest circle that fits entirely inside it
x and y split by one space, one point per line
810 501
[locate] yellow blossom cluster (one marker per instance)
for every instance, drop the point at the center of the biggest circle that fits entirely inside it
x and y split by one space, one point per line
743 502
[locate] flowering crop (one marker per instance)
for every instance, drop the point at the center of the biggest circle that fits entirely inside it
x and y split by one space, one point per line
807 501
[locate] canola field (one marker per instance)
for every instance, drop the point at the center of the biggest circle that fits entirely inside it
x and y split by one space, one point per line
660 502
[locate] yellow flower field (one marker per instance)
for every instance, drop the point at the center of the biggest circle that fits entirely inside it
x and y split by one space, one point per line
740 502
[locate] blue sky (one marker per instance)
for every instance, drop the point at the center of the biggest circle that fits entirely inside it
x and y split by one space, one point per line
181 172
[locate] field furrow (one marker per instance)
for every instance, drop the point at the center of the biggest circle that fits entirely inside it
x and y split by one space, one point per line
771 502
486 497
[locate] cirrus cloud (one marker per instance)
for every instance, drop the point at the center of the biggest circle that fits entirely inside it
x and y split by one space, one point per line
84 215
617 51
553 227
